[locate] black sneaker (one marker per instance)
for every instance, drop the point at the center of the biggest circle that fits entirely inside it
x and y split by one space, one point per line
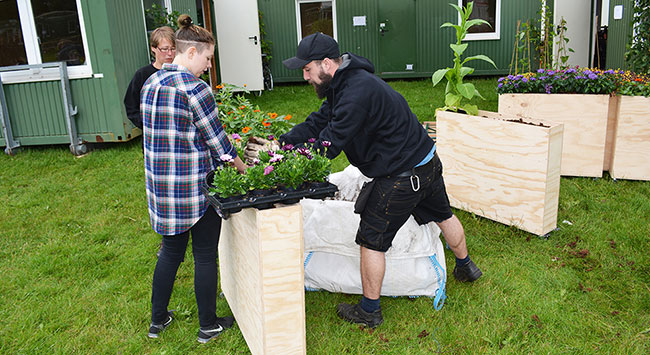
353 313
156 329
467 273
205 334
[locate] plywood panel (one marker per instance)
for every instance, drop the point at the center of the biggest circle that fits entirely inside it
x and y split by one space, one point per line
632 140
262 277
585 119
506 171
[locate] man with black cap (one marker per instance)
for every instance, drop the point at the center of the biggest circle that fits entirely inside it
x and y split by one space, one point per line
373 124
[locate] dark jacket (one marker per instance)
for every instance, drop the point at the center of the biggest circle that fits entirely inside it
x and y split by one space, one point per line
368 120
132 96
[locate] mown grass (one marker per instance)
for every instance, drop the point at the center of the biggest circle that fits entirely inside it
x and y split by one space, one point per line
77 256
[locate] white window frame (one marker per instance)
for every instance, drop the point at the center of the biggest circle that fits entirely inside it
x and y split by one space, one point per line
299 23
496 35
32 50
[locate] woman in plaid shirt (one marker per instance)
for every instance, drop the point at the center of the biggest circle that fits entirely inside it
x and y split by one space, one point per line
183 139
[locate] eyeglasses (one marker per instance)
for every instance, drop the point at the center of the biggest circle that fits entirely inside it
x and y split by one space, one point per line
167 50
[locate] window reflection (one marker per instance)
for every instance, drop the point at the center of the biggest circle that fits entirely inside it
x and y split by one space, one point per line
486 10
11 36
57 26
316 17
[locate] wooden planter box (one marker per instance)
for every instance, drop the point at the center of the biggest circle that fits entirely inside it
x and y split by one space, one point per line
588 119
630 159
502 170
262 277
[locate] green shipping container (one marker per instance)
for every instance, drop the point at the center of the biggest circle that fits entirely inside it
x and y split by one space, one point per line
402 38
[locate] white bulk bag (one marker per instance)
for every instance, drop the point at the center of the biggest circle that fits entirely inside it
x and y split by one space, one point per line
415 264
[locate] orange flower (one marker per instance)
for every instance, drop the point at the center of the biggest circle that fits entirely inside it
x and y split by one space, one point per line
273 115
224 126
246 129
230 113
219 86
244 85
287 117
256 110
218 103
265 123
242 107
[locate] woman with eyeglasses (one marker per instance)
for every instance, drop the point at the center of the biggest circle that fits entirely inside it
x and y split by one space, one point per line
163 47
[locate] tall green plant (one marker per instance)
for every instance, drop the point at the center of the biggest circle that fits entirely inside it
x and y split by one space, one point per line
638 49
159 17
456 90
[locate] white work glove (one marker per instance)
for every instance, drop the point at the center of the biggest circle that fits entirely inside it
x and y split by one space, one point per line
255 145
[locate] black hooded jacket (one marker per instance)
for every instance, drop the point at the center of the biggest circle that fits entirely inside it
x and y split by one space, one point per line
368 120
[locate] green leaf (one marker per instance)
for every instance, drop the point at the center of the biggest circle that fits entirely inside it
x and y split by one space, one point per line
452 100
449 87
466 71
438 75
480 57
478 21
458 8
476 93
459 48
467 90
471 109
447 24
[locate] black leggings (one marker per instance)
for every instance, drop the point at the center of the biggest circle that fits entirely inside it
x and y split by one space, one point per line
205 237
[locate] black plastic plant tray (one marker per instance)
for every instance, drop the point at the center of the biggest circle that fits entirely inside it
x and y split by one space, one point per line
225 207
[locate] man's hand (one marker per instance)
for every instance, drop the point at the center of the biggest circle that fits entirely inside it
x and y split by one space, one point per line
256 145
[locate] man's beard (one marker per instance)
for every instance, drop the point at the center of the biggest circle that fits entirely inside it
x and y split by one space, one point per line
321 89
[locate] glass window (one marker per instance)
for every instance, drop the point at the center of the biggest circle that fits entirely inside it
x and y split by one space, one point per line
316 16
42 31
11 36
488 10
58 31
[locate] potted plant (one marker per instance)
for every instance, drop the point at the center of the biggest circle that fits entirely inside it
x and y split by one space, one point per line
631 143
581 98
227 182
502 167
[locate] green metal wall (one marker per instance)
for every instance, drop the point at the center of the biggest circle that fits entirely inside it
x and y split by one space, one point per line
618 34
117 47
433 50
185 7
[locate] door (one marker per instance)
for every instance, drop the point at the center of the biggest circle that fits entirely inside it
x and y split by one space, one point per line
396 29
238 41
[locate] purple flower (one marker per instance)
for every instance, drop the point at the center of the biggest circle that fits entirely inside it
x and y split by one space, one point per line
236 136
501 79
593 76
271 153
271 137
311 140
276 157
256 161
268 169
525 80
541 71
570 71
533 79
500 85
226 158
303 151
551 72
510 77
326 143
287 147
548 88
610 71
542 78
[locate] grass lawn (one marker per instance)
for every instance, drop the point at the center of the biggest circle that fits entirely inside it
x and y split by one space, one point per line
77 255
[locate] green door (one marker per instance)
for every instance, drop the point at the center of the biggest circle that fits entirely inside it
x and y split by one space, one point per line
396 31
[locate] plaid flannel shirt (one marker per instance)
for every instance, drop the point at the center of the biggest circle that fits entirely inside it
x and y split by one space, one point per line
183 139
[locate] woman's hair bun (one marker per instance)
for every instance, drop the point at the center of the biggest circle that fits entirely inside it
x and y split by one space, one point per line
184 21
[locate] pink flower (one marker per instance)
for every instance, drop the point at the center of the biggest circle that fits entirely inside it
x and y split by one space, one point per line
287 147
268 169
271 137
326 143
276 157
256 161
226 158
311 140
236 136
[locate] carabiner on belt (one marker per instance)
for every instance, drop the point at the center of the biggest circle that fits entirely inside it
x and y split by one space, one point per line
415 181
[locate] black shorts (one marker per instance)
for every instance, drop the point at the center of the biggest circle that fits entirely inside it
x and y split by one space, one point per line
389 201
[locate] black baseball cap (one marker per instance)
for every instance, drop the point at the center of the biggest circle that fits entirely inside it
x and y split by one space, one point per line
316 46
